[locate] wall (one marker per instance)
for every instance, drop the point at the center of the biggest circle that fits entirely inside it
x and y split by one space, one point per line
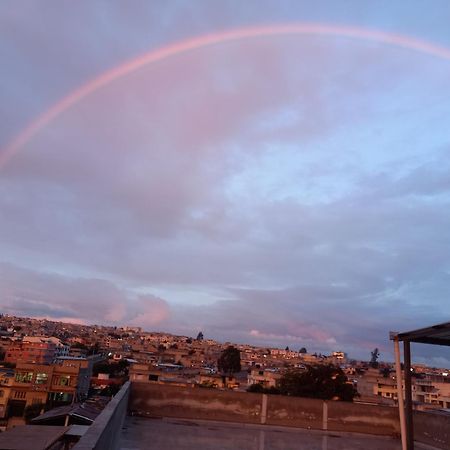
362 418
294 412
104 433
432 428
198 403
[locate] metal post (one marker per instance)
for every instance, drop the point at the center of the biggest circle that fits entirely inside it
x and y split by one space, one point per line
401 406
408 396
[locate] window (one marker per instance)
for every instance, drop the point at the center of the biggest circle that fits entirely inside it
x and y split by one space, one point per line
41 378
62 397
64 380
2 393
24 377
20 394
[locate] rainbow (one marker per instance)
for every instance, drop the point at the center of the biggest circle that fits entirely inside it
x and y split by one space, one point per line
188 45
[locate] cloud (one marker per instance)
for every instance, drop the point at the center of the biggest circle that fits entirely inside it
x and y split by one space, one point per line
62 297
151 312
299 184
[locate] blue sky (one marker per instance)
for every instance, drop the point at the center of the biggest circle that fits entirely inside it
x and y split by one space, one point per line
279 190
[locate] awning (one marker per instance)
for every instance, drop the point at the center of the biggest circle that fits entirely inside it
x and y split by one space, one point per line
436 335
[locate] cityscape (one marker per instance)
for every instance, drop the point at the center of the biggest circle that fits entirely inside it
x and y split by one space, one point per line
49 370
224 224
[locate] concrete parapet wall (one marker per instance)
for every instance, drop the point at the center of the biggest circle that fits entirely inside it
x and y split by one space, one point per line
199 403
104 433
158 400
432 429
360 418
295 412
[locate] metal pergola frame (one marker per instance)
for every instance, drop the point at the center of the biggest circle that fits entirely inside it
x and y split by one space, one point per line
434 335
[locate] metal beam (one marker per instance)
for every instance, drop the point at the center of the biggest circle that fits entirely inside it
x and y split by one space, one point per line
431 340
441 331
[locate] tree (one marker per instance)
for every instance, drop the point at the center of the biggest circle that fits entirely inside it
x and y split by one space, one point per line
79 345
326 382
161 348
303 350
94 349
374 358
32 411
200 336
287 348
229 361
260 389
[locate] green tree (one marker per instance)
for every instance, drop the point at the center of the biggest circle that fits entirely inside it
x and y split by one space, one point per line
79 345
32 411
260 389
256 388
200 336
229 361
326 382
94 349
374 358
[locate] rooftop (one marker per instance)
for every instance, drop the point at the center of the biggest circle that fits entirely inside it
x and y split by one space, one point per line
168 434
31 437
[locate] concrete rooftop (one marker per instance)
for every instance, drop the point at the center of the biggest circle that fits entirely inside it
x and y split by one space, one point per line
168 434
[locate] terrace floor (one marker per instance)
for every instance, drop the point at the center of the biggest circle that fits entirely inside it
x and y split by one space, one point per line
179 434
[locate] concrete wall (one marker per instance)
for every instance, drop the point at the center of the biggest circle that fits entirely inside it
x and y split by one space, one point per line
199 403
360 418
432 429
196 403
294 412
104 433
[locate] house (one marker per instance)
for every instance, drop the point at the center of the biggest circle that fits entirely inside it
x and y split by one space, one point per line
265 377
31 349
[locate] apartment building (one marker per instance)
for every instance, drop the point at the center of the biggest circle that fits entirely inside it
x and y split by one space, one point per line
6 382
31 349
265 377
433 390
53 385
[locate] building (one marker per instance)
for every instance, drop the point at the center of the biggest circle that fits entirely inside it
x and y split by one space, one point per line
432 390
61 349
31 349
51 385
6 382
265 377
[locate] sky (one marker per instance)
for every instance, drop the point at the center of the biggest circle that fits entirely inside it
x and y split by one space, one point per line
268 172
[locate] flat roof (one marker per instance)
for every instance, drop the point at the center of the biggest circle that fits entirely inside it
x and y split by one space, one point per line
436 335
168 434
31 437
